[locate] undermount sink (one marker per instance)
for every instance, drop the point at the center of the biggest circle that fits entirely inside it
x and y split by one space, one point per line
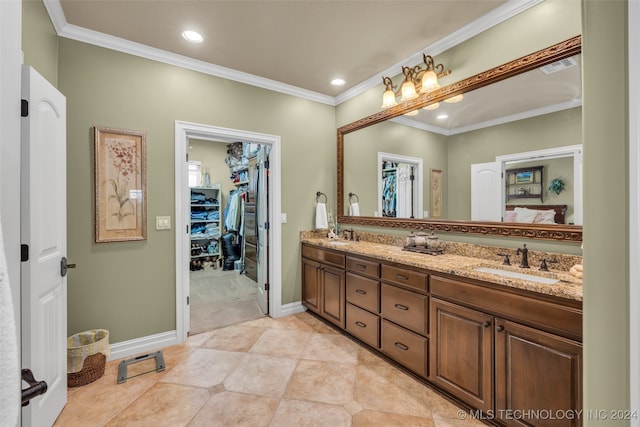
338 242
516 275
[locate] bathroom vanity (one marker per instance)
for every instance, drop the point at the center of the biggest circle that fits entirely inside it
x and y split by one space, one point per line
506 346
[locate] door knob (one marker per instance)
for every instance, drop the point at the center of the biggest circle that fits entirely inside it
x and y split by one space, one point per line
64 266
36 388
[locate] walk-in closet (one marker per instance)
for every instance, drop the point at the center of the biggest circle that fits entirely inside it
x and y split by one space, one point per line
228 202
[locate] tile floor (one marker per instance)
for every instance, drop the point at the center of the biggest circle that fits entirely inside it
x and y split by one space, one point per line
292 371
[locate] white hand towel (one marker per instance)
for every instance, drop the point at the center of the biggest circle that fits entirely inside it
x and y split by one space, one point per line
321 216
9 367
354 209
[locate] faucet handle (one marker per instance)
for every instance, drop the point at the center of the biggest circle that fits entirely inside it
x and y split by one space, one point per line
543 263
507 260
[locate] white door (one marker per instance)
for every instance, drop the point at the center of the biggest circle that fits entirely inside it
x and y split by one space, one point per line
262 218
486 192
44 230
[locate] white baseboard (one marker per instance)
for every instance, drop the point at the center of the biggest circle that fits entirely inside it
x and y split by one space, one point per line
146 344
291 308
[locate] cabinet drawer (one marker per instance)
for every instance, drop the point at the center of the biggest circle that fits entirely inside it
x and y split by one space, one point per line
364 267
405 347
405 308
251 268
404 277
323 256
250 251
363 325
363 292
545 315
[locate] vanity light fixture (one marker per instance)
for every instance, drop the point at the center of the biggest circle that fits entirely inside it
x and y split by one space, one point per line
192 36
416 81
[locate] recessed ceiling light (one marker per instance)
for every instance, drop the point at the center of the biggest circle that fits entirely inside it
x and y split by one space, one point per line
337 82
442 116
192 36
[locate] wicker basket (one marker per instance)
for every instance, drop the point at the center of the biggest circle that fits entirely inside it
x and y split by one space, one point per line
92 369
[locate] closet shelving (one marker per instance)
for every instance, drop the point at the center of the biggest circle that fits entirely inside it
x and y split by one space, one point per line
525 183
206 222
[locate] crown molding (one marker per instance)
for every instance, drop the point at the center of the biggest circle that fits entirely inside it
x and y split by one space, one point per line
73 32
64 29
491 19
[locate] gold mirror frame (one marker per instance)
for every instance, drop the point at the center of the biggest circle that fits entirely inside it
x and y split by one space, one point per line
558 232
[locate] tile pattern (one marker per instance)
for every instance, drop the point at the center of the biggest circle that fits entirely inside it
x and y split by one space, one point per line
292 371
464 265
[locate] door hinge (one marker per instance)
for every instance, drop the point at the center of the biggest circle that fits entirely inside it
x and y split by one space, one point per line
266 164
187 299
501 174
187 157
266 225
24 253
187 228
266 286
24 108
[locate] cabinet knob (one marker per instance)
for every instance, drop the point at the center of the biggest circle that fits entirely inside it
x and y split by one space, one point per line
499 328
486 324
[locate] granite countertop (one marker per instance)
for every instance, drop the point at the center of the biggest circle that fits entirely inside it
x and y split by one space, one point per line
568 286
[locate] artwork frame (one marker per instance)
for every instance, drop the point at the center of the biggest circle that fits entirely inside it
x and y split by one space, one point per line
120 183
435 193
524 177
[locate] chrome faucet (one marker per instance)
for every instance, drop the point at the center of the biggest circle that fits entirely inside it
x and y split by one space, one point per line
524 262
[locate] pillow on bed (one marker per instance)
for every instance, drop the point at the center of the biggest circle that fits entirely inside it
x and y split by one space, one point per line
510 216
545 217
525 215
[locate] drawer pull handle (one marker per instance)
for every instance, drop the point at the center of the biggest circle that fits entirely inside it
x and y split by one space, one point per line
361 266
402 307
401 346
401 277
362 325
361 292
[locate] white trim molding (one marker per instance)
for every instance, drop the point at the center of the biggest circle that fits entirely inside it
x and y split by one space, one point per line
142 345
74 32
183 132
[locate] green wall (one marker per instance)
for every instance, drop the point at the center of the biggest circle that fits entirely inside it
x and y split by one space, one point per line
129 288
483 145
606 222
39 40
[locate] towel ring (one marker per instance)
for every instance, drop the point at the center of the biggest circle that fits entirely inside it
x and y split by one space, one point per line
354 195
318 194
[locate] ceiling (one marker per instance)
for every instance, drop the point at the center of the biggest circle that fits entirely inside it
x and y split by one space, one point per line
297 45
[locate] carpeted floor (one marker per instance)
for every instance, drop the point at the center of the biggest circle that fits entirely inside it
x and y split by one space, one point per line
221 298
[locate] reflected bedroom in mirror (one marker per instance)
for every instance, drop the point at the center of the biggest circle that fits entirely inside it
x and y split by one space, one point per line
508 152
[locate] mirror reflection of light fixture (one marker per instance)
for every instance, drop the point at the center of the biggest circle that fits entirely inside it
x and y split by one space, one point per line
416 81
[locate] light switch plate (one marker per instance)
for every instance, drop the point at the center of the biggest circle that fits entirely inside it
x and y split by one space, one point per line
163 223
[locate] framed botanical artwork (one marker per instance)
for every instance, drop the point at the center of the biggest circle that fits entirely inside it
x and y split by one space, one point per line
120 185
435 194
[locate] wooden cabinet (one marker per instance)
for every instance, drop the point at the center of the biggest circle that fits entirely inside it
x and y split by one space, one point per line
323 284
536 371
461 357
500 350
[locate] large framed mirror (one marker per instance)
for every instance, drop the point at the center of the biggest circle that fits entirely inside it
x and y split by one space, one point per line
448 161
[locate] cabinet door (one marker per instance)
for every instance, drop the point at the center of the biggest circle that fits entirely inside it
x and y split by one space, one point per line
311 284
536 373
332 290
461 353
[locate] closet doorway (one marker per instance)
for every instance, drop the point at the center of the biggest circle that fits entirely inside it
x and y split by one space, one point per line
228 192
